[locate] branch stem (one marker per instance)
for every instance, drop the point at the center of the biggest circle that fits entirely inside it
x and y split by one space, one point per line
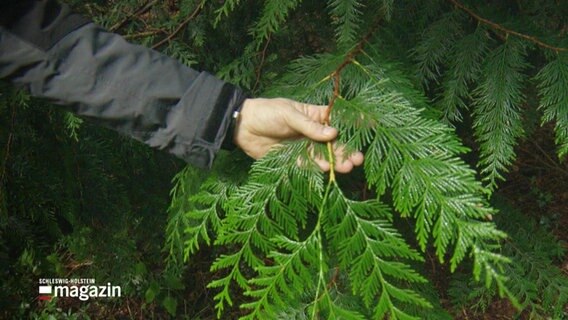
181 26
503 29
147 6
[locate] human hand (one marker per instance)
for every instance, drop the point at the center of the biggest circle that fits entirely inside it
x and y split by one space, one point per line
264 123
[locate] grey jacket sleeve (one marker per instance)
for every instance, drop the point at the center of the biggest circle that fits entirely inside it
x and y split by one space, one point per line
127 87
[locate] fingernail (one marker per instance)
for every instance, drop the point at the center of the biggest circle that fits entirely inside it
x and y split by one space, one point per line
328 131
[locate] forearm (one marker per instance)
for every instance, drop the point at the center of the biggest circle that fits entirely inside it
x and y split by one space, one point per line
130 88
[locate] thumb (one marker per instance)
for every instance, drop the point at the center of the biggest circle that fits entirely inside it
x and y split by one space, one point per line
310 128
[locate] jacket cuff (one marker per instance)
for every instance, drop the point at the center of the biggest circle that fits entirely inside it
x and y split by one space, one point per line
201 122
229 140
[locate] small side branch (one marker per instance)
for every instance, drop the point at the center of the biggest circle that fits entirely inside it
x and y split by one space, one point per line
335 75
144 34
261 63
180 27
503 29
136 13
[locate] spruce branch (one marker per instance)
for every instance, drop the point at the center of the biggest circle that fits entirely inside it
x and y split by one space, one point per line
505 30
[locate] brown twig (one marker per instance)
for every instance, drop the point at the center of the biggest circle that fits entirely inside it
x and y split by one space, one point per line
552 163
348 59
334 277
181 26
261 64
136 13
144 34
505 30
336 76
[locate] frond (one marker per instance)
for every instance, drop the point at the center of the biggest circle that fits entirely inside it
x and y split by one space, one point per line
205 216
346 15
272 202
274 13
418 159
277 284
464 68
553 91
370 250
227 7
533 277
186 182
436 43
497 113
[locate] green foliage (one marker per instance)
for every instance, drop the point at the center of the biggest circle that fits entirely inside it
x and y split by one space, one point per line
498 114
72 124
186 182
534 279
485 70
412 157
553 86
52 312
347 15
436 43
274 13
465 66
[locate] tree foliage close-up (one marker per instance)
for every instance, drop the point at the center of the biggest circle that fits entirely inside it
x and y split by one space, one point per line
459 211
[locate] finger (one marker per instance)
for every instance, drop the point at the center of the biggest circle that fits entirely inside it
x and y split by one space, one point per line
344 166
324 165
357 158
344 163
314 112
313 130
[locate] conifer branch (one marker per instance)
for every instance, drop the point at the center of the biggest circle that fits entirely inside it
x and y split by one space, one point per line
503 29
348 60
147 6
181 26
144 34
261 63
336 89
317 231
